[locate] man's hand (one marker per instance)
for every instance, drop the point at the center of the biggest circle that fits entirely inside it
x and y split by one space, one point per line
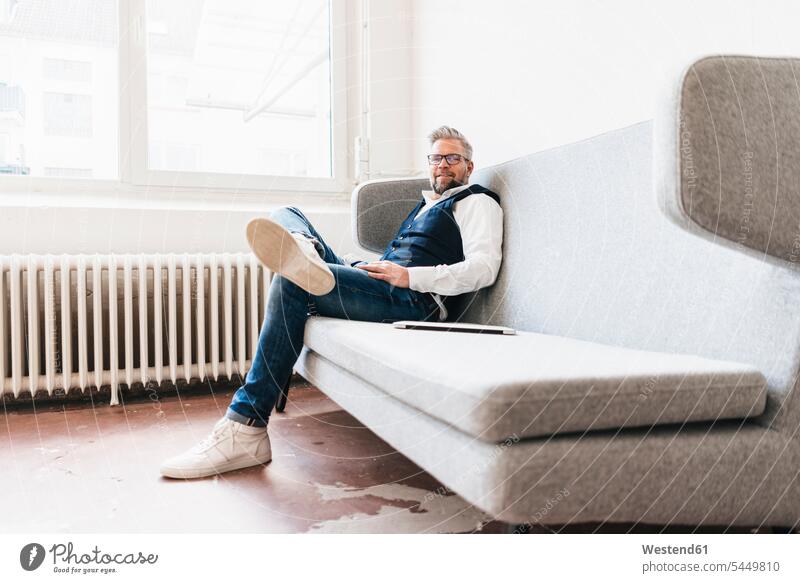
391 273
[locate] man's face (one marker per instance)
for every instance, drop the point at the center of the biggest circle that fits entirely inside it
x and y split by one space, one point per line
443 175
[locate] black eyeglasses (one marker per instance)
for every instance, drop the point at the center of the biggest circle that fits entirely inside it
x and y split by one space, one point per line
452 159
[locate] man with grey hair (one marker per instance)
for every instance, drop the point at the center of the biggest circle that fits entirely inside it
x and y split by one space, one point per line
450 244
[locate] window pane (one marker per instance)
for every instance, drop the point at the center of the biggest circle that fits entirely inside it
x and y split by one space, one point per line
59 112
66 114
68 172
66 70
239 87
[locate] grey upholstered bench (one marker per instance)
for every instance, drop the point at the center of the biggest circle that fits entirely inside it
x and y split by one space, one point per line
654 376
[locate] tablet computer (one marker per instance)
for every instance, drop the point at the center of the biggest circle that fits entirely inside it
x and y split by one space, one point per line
453 327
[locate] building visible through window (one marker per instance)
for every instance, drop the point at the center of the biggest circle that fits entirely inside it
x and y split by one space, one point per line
59 88
67 115
66 70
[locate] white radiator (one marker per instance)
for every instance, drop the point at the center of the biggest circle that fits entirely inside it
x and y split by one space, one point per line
77 321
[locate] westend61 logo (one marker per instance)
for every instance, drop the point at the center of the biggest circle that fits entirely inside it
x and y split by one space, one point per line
65 560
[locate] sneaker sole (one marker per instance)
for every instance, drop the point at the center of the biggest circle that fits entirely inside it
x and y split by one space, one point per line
276 248
188 473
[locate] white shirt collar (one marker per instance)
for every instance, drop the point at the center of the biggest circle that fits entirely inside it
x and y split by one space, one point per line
429 194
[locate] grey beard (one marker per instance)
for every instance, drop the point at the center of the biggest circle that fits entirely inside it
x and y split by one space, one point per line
441 190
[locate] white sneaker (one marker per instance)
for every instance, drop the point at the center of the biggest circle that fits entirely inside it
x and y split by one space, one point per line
230 446
291 255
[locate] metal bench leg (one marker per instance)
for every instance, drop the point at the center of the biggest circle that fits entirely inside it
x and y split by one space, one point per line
283 396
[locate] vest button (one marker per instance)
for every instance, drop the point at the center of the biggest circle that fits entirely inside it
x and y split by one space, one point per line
394 248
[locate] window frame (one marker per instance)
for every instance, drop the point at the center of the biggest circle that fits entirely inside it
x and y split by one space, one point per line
133 173
137 138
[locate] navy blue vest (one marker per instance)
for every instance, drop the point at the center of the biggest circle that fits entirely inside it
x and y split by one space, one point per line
434 238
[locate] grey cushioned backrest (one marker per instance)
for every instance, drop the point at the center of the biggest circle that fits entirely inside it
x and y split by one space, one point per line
378 208
729 157
587 253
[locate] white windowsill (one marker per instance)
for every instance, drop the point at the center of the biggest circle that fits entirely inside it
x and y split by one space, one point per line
114 195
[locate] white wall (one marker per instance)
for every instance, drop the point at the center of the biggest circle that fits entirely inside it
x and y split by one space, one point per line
159 223
525 76
389 97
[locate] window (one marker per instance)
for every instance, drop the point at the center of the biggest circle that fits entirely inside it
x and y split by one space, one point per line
59 87
10 160
67 115
216 94
247 84
174 156
68 71
67 172
283 162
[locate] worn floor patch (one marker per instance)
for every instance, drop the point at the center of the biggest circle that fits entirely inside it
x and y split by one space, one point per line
406 510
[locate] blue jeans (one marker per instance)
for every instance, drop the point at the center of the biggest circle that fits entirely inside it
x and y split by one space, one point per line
356 296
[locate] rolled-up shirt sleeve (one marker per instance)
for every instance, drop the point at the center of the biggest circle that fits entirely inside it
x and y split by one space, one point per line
480 220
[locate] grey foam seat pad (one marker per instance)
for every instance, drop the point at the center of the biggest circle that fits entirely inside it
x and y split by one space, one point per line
732 472
495 387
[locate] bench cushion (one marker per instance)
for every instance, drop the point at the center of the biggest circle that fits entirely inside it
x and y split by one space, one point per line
498 387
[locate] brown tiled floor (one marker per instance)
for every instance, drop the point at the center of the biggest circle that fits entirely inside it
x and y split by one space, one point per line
74 467
82 468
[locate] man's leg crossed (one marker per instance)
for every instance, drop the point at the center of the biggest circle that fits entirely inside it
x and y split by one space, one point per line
240 438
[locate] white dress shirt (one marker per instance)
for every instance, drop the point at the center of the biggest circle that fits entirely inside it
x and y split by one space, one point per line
480 220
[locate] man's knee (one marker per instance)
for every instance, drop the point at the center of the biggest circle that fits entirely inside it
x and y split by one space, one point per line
281 284
288 209
285 291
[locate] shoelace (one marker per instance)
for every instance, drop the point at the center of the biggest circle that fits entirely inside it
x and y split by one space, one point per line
306 244
211 439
